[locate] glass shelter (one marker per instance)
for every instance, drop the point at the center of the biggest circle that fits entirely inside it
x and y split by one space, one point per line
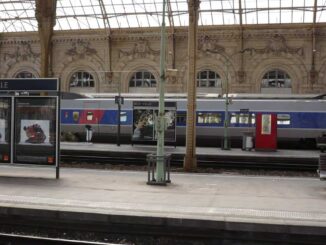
29 122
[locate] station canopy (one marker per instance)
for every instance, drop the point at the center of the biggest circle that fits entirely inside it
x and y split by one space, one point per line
17 16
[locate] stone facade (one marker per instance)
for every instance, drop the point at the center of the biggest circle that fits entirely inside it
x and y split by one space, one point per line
285 47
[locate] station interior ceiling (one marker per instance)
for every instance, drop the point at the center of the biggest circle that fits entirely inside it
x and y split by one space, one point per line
19 16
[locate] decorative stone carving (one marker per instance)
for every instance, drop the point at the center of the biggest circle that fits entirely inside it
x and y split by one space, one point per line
23 52
241 76
140 50
108 76
80 49
208 45
277 45
313 76
171 75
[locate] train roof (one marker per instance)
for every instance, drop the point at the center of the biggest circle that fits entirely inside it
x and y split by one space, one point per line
276 96
152 95
68 95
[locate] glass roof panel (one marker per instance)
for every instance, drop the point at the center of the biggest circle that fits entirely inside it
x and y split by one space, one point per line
18 15
279 11
321 11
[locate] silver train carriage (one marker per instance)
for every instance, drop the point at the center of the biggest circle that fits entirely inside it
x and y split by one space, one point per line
300 118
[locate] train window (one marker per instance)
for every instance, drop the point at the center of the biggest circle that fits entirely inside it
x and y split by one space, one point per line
244 118
123 116
208 78
89 116
234 118
283 119
209 117
253 118
181 117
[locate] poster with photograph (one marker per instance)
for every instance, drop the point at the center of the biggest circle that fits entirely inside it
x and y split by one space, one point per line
35 132
143 128
145 114
3 123
266 124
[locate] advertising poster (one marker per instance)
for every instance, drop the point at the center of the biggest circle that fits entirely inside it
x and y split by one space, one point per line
144 118
35 132
3 131
143 128
266 124
169 133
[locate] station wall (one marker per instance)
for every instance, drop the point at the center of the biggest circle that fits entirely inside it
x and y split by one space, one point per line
113 62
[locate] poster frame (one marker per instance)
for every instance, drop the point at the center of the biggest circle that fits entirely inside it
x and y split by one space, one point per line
154 106
38 88
56 164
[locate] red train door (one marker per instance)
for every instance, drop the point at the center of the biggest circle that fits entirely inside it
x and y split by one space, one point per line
266 132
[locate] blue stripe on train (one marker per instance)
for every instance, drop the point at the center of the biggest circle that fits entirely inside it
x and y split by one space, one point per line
315 120
109 116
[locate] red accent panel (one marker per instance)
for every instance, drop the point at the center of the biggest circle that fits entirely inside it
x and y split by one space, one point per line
266 132
95 118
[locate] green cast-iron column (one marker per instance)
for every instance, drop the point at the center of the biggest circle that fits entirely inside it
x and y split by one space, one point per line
226 116
161 118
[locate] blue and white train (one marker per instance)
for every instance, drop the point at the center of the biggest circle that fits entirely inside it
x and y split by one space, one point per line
300 118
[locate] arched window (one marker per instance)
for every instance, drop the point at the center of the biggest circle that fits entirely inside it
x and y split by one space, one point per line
143 79
276 79
142 82
208 79
24 74
81 79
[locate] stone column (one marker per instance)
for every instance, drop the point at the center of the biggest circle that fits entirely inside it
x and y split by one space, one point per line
190 161
45 15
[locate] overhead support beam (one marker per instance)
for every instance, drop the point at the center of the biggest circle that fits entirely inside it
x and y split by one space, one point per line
241 73
190 161
46 15
172 35
107 27
313 72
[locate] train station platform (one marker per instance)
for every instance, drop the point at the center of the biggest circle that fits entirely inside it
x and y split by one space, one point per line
212 202
180 150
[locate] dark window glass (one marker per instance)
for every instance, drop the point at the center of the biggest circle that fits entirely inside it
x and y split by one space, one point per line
276 79
142 79
209 117
208 78
82 79
25 74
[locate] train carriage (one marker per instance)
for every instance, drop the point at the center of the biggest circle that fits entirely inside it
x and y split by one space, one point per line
300 118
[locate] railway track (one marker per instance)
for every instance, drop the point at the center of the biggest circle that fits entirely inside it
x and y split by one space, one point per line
239 162
17 239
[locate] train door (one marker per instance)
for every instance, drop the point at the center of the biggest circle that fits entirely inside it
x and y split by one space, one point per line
91 118
266 131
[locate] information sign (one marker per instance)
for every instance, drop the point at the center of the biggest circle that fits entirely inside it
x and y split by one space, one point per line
29 84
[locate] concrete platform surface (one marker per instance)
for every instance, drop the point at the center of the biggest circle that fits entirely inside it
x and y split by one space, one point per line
284 153
228 198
